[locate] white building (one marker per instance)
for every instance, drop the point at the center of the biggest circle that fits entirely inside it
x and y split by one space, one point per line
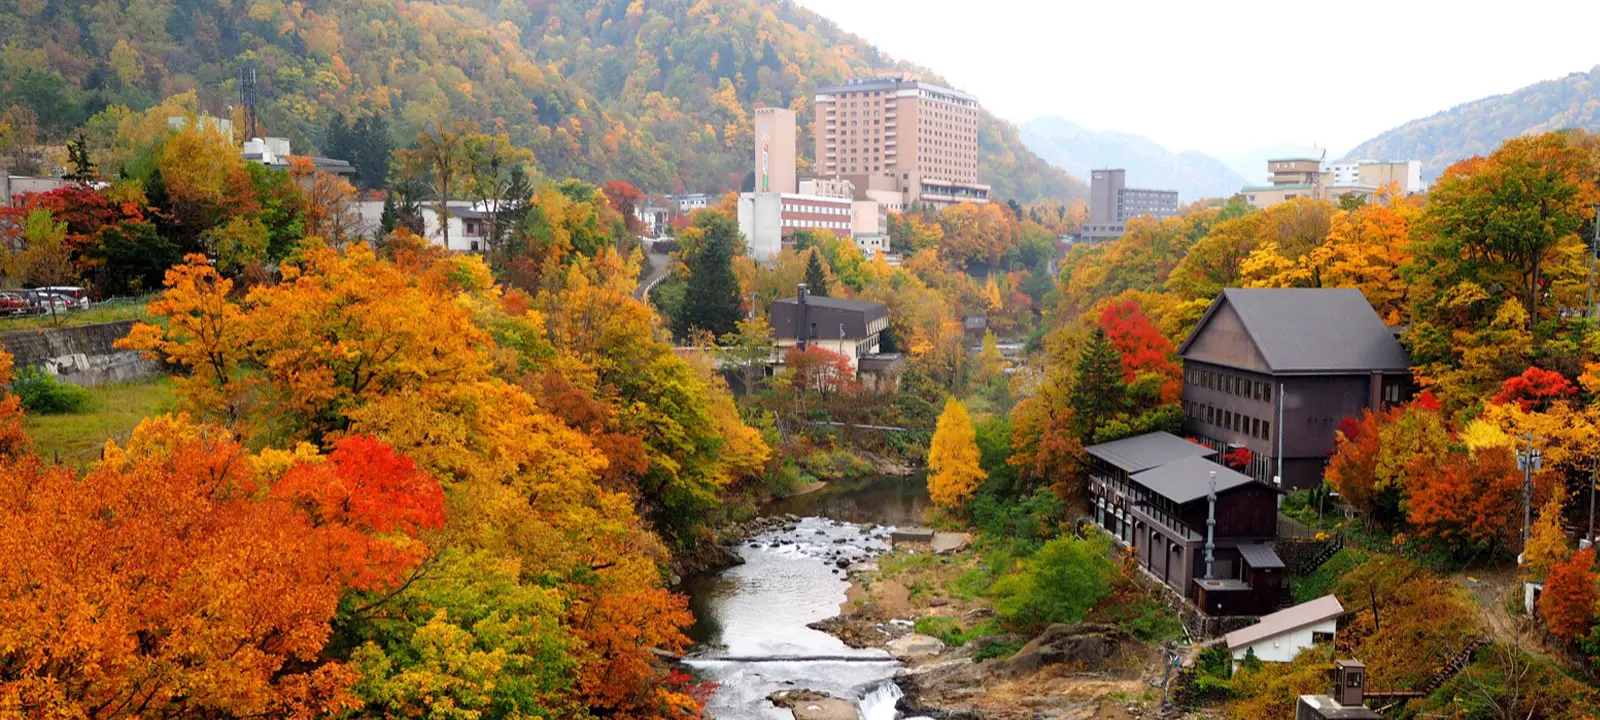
1405 173
685 204
466 224
1282 635
765 219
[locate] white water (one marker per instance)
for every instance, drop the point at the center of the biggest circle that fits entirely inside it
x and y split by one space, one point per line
760 610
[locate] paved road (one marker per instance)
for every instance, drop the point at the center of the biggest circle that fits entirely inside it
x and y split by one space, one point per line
658 263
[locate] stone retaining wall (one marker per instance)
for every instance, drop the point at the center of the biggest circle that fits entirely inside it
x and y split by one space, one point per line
83 355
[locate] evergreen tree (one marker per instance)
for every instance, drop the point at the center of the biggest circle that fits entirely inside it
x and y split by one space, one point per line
711 300
816 277
1097 393
365 144
83 167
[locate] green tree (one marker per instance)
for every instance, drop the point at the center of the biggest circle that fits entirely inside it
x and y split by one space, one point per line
748 350
1059 584
1097 391
816 276
711 301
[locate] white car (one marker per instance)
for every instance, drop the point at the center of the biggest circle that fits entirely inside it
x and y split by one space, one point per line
74 296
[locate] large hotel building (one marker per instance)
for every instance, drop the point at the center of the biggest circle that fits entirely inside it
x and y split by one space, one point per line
902 135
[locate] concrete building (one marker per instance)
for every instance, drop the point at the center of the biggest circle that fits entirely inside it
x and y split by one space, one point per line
466 224
1348 701
849 327
775 150
1292 178
1112 204
1274 371
922 138
13 185
765 219
653 215
689 202
1281 636
1154 493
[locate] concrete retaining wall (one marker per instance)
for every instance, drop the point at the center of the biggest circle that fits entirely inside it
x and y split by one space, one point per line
83 355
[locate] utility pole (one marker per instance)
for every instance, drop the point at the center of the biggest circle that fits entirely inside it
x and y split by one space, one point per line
1594 250
1528 461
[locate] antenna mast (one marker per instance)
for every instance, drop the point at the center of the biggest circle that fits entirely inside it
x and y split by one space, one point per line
247 98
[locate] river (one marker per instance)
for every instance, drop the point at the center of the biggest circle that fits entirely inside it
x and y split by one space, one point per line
750 632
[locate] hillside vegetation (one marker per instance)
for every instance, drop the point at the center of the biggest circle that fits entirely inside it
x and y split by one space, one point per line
1478 127
659 93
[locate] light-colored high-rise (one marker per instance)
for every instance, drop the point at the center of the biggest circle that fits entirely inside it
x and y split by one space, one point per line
775 150
923 136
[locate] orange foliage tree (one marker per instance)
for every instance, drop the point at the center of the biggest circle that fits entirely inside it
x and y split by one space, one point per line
1466 499
820 369
180 577
1534 390
1568 602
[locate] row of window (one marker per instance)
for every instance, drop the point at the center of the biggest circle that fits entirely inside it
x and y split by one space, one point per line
816 224
816 209
1229 420
1231 384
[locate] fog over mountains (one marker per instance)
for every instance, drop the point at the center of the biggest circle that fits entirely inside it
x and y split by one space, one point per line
1077 150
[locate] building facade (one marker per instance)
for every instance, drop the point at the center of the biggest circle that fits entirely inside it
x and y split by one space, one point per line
466 224
1280 636
1292 178
1112 204
923 137
1155 492
1274 371
775 150
765 219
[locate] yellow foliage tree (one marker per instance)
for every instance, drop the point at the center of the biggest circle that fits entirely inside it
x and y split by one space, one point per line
1547 542
953 457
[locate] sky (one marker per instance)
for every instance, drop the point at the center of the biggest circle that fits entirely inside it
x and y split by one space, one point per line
1231 78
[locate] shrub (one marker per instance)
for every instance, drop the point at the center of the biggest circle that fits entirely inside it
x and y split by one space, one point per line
944 628
42 393
1059 584
999 650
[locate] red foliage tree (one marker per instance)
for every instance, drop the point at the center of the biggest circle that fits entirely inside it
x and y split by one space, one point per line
1427 401
1143 349
624 198
1238 459
1534 389
1353 469
820 369
1569 596
1466 499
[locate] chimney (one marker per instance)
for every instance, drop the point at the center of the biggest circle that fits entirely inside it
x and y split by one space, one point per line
800 293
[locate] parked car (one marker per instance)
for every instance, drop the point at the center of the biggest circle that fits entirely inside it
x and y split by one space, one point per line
75 296
40 302
13 304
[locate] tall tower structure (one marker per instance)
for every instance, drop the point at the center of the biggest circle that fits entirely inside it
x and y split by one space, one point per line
775 150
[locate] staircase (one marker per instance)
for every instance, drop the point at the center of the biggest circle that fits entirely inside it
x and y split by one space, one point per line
1328 551
1455 664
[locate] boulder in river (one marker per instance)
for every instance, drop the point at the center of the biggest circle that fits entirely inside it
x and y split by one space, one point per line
914 647
813 705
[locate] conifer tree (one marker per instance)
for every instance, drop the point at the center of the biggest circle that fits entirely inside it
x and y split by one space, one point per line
953 468
1097 393
711 300
816 277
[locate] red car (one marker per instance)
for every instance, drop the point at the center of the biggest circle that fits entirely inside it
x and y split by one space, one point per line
13 304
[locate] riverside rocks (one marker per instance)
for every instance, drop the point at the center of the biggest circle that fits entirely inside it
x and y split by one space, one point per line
914 647
813 705
1086 646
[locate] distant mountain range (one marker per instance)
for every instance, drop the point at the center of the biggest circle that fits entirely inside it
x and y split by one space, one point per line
1478 127
1077 149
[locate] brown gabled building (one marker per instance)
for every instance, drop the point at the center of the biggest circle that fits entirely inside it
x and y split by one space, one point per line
1155 493
1274 371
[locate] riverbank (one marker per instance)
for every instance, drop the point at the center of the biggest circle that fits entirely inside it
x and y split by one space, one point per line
920 607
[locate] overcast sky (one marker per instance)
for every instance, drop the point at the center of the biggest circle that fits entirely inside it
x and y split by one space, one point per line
1226 77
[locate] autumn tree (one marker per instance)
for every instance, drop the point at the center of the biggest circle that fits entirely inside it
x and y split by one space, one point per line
820 370
438 156
1141 349
1568 601
749 350
1547 540
1504 218
953 471
45 258
1534 390
1468 500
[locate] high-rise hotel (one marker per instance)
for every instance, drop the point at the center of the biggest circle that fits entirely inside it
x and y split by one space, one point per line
902 135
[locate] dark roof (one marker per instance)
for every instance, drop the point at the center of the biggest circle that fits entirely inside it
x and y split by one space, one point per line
1187 480
833 303
1142 452
1312 329
1282 621
1260 557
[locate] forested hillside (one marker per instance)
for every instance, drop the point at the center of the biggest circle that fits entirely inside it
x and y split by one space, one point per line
658 92
1078 149
1478 127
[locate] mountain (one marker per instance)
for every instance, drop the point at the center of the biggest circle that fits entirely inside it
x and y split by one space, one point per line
1077 149
1478 127
658 92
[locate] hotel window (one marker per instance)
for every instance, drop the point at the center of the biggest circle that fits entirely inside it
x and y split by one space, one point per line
1266 430
1268 395
1227 418
1211 415
1255 427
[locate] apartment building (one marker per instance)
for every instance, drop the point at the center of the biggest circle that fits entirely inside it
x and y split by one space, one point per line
1112 204
922 136
765 219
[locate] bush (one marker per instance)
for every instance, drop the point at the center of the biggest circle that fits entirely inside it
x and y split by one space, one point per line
1059 584
944 628
1027 522
42 393
999 650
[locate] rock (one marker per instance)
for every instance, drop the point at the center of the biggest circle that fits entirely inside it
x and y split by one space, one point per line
843 564
938 602
915 647
840 541
812 705
913 535
947 543
1085 646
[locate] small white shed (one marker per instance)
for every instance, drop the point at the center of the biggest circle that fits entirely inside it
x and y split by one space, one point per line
1282 635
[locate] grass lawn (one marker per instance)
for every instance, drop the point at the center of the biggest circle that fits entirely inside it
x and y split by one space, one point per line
76 439
114 311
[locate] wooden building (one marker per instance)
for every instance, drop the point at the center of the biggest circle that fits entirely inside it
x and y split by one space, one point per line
1154 493
1274 371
